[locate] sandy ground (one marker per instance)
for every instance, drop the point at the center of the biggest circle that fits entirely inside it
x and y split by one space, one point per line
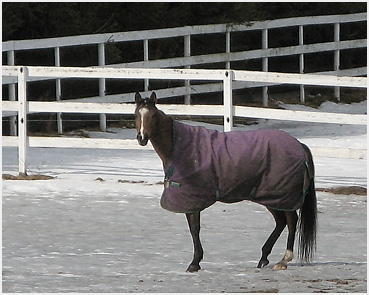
112 238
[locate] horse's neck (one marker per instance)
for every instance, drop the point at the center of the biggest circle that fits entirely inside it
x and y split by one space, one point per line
162 141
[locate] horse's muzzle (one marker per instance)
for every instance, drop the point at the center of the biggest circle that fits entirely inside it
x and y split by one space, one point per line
142 140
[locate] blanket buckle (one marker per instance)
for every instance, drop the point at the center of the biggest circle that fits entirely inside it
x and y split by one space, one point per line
168 182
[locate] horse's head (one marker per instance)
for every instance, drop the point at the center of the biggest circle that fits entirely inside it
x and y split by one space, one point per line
145 114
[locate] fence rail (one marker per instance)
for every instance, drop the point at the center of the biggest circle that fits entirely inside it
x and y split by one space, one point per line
188 60
227 77
177 32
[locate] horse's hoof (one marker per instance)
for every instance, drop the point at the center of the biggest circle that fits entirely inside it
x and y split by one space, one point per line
280 266
263 262
193 268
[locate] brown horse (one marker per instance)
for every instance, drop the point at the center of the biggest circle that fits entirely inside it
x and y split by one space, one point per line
299 193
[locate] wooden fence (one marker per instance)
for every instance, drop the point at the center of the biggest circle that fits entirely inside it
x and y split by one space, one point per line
265 53
228 110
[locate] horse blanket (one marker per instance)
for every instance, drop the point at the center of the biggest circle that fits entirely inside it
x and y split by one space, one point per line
205 166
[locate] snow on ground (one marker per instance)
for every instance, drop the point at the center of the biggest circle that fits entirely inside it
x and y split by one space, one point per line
78 234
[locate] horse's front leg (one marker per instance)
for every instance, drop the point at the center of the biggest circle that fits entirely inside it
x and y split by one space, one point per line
194 225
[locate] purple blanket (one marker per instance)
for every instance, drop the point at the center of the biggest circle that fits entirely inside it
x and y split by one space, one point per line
265 166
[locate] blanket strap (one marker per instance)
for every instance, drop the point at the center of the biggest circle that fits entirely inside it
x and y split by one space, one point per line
168 182
306 191
252 193
170 172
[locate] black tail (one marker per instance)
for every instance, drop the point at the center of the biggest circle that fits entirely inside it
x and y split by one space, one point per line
308 217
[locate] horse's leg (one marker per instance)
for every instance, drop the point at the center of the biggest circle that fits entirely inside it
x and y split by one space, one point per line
194 225
280 224
291 217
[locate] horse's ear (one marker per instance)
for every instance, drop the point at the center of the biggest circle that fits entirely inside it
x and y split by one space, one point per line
153 97
138 97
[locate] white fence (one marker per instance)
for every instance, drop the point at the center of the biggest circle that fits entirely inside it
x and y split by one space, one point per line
228 57
227 77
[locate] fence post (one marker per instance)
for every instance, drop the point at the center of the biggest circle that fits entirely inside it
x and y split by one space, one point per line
13 119
337 58
187 53
101 61
58 91
228 48
301 60
228 101
264 42
22 119
146 58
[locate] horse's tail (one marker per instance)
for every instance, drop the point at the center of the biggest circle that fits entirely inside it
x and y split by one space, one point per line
308 215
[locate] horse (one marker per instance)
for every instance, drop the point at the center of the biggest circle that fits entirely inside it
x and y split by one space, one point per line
284 185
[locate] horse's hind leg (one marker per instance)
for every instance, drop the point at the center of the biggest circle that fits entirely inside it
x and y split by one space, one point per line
291 217
194 225
280 220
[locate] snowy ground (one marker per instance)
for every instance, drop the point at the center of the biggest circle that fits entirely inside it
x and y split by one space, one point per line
78 234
